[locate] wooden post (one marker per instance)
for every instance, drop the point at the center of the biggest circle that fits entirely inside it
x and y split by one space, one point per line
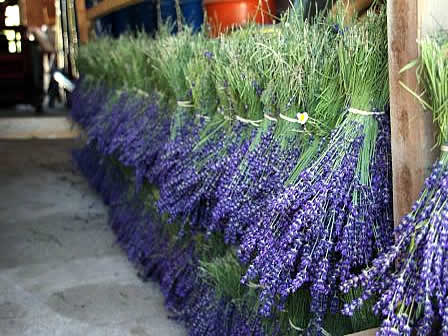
83 22
412 128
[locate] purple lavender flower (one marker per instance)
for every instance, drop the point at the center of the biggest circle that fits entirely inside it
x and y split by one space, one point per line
321 227
409 277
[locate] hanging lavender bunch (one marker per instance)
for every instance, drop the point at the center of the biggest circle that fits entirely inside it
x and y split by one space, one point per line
141 139
106 122
131 127
174 153
224 141
322 225
179 69
87 100
118 134
409 277
243 195
189 194
191 114
302 226
214 317
409 280
293 85
102 175
228 312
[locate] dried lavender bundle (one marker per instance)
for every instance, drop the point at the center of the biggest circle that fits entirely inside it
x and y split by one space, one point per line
132 128
183 74
223 142
120 63
173 262
408 281
297 67
88 99
323 225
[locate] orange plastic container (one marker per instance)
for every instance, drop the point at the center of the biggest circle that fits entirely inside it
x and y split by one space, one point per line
223 15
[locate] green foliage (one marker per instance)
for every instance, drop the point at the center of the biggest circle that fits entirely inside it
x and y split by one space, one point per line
433 74
118 63
363 58
363 318
224 273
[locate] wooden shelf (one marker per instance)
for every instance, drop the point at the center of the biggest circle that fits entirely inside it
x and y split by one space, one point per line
369 332
108 6
101 9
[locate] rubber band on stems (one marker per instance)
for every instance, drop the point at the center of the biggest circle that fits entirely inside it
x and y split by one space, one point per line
268 117
286 118
364 113
184 103
221 112
301 118
255 123
200 116
141 92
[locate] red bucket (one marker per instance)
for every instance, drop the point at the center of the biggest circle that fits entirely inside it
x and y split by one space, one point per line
223 15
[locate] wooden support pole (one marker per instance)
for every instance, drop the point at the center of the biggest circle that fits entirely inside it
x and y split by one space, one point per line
83 22
108 6
411 127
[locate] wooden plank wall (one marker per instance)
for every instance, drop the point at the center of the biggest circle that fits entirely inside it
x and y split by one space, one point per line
49 12
32 12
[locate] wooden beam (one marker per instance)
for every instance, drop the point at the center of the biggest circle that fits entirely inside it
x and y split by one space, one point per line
369 332
411 127
108 6
83 22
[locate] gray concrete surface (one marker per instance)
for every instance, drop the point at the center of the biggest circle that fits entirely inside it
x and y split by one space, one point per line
60 271
26 111
38 128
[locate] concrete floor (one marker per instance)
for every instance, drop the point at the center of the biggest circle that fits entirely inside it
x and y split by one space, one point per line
26 111
60 271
